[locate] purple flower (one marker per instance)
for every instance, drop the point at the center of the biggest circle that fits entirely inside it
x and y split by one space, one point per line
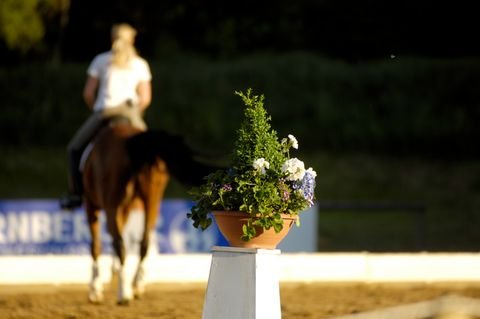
284 190
307 185
227 187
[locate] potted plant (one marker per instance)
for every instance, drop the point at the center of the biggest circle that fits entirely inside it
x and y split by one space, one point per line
264 189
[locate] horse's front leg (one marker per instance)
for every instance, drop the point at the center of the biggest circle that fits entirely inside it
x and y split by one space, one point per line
95 294
139 282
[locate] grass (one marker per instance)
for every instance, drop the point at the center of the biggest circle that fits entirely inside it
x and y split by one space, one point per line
373 231
449 189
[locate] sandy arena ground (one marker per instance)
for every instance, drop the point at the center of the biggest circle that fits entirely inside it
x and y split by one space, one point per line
185 301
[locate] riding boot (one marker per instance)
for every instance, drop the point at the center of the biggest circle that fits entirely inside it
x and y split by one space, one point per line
75 149
70 201
75 173
74 198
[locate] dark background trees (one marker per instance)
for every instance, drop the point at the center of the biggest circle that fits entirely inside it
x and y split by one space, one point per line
353 32
366 74
345 29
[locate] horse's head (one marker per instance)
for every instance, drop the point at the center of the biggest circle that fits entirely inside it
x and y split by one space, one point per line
182 162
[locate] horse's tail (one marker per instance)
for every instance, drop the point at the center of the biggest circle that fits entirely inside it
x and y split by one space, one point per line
182 162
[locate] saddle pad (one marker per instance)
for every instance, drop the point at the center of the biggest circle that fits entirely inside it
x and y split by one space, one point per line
85 155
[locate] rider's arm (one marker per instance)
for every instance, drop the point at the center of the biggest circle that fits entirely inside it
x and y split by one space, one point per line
90 91
144 91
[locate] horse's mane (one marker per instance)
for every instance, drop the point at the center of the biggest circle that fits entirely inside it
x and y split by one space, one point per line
182 163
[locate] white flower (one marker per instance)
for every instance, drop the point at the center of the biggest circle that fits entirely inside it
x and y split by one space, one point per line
311 172
261 165
295 169
293 141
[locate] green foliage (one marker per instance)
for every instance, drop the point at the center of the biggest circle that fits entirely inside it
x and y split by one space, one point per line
22 23
402 106
50 96
409 106
226 31
262 181
255 139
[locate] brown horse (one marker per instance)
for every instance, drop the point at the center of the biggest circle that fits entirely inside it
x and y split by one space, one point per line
126 167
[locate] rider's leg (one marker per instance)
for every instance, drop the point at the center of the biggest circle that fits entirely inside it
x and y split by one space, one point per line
74 151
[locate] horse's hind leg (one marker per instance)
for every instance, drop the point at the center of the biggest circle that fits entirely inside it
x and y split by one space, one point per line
139 279
95 294
116 219
153 190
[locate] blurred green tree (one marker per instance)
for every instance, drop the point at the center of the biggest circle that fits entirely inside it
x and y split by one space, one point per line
23 23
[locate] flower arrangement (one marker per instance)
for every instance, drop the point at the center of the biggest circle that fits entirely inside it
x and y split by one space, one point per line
263 180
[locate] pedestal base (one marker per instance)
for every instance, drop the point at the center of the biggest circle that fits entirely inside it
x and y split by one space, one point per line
243 284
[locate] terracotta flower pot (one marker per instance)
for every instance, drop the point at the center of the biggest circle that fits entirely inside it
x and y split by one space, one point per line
231 223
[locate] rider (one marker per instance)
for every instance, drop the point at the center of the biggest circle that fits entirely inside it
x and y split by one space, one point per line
118 84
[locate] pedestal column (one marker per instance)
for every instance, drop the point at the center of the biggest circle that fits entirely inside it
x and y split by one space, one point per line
243 284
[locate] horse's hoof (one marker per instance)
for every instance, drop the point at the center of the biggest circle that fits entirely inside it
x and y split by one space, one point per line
95 302
123 302
138 291
95 299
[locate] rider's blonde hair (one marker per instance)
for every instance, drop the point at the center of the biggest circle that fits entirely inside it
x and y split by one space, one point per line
123 39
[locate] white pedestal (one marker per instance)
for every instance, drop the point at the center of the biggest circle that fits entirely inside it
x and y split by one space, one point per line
243 284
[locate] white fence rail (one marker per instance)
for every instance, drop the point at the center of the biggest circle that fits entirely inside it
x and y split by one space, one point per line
293 267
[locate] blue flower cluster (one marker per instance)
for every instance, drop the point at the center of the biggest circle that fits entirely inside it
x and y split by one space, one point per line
307 186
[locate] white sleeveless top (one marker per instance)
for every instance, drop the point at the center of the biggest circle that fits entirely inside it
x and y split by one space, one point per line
117 84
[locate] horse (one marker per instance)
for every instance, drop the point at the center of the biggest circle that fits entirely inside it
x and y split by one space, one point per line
127 167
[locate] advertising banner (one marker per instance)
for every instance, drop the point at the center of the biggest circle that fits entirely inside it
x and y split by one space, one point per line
29 227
